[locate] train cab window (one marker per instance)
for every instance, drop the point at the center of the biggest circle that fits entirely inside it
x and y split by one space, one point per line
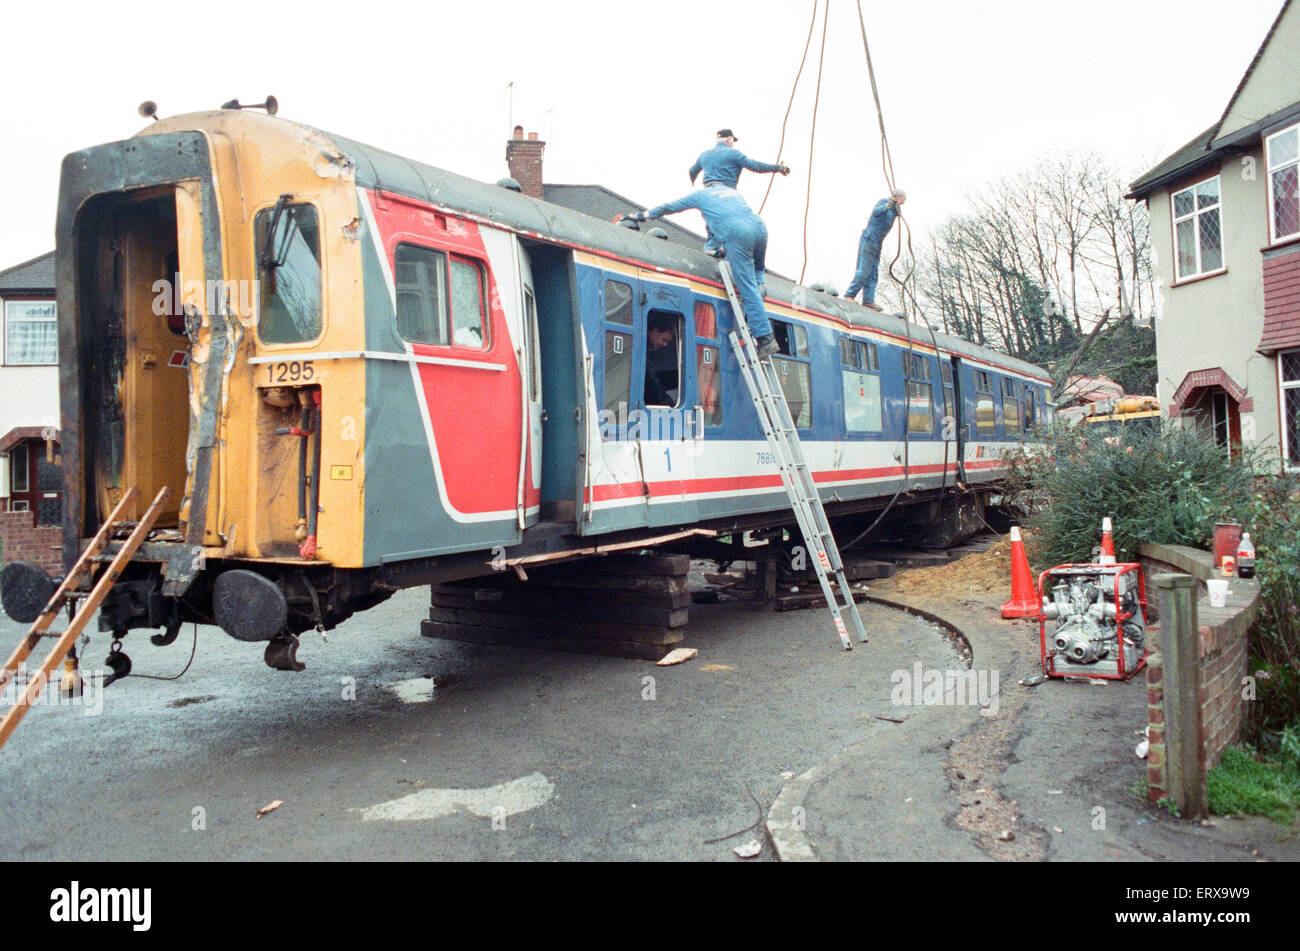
663 359
1031 415
421 294
986 423
708 373
1010 407
794 371
920 402
289 272
859 366
468 323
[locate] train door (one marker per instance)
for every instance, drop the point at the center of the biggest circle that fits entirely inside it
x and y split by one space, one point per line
667 439
954 428
528 500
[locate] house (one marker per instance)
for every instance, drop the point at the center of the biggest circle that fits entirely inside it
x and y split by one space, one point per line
31 483
1225 228
524 158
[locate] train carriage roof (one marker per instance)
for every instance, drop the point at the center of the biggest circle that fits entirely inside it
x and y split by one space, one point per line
376 168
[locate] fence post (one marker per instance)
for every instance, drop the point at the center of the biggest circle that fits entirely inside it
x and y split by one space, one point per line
1181 650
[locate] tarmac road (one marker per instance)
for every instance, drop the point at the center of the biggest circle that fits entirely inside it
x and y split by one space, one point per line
504 754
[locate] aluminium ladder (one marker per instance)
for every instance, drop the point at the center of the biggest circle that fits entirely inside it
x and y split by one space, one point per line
68 594
783 439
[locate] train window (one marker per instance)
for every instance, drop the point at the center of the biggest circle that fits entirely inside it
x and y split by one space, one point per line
859 355
945 372
618 303
1031 416
618 371
289 270
421 284
862 410
1011 414
663 358
920 403
709 380
708 375
468 328
792 339
985 419
530 341
796 383
706 320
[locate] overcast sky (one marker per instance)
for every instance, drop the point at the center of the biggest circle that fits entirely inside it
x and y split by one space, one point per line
627 94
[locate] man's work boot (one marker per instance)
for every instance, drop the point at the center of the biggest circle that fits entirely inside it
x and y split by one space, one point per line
874 306
767 345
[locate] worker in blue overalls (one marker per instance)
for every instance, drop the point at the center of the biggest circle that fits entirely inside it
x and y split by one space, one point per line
744 236
882 219
722 165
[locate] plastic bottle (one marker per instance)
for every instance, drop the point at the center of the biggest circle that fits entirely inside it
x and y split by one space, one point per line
1245 557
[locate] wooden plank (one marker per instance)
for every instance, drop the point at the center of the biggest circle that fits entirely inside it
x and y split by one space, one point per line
640 650
649 633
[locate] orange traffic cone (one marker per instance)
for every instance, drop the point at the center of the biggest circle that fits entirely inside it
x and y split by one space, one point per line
1107 556
1024 600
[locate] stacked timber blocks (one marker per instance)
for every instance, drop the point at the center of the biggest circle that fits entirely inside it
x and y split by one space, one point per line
626 605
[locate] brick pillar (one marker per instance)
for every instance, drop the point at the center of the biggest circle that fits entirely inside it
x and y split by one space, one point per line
524 156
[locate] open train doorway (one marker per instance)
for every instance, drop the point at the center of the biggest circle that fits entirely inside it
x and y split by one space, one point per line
134 350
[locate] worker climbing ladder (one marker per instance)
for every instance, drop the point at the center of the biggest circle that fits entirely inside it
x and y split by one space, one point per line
68 593
783 438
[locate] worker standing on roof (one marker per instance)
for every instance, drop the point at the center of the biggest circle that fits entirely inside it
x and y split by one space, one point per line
744 236
722 166
882 219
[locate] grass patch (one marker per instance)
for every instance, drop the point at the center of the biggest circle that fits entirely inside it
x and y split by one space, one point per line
1242 784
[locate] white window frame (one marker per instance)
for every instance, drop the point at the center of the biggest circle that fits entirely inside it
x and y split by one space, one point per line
1282 387
5 304
1271 168
1195 217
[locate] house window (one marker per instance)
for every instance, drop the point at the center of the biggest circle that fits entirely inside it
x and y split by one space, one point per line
1283 184
1289 373
31 333
1219 419
1198 230
19 465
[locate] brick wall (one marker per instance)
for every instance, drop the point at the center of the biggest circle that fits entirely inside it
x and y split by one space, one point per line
1223 660
22 540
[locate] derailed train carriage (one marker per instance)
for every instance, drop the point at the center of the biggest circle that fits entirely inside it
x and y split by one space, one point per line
360 373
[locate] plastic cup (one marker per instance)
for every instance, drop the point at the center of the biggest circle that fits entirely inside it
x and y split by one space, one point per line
1218 589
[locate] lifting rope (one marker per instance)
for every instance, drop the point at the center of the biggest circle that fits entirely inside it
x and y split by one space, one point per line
812 139
781 147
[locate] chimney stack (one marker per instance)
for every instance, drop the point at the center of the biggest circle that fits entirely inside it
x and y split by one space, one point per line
524 156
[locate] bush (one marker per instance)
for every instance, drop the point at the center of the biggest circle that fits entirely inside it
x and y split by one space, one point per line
1241 783
1167 485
